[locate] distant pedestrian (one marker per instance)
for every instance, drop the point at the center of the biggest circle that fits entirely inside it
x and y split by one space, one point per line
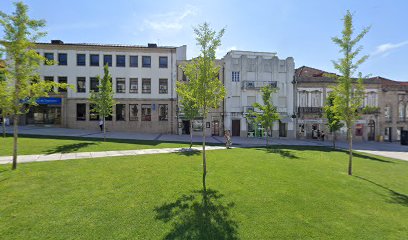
101 124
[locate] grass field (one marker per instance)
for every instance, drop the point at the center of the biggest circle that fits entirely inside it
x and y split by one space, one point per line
49 145
290 193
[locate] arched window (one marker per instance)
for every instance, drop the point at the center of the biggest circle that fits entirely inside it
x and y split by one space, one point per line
401 111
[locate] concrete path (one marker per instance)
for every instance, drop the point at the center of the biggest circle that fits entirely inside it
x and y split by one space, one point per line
387 149
82 155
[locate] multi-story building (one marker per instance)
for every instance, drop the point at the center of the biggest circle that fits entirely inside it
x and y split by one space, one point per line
143 81
383 113
213 124
244 75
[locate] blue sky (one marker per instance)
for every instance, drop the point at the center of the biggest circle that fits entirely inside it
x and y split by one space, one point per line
301 29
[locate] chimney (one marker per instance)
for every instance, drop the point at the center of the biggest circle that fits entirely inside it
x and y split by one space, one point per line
152 45
57 42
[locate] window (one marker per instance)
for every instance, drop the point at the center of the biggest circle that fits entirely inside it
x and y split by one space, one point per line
94 59
163 86
235 76
316 99
120 85
81 85
120 112
94 84
81 60
401 111
197 125
49 79
133 111
107 59
81 111
163 62
146 85
163 112
48 57
146 61
133 85
372 99
387 113
146 112
62 59
184 77
133 61
303 99
93 116
62 80
120 61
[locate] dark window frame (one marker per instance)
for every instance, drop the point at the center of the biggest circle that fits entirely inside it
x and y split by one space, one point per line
130 85
120 60
163 65
132 63
81 90
149 90
64 81
133 118
64 62
146 118
123 118
91 63
109 62
80 63
166 89
124 85
166 117
81 117
46 54
90 84
146 65
93 116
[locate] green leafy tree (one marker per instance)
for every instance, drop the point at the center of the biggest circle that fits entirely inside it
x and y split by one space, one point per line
189 107
23 62
333 120
103 99
5 97
349 91
268 113
206 90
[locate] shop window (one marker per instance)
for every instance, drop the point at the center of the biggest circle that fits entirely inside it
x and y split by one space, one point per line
163 112
133 85
93 116
146 85
133 112
81 84
120 85
81 111
62 80
146 112
359 130
197 125
120 112
163 86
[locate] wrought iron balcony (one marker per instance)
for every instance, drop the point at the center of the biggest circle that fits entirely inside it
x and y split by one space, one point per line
256 85
310 110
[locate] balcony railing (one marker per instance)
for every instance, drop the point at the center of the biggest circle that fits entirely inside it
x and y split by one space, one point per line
256 85
248 109
310 110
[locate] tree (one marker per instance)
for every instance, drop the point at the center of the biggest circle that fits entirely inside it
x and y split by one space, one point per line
206 90
349 91
5 97
267 113
189 108
23 62
333 120
103 99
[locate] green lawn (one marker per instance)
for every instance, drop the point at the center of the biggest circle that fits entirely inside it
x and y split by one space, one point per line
49 145
291 193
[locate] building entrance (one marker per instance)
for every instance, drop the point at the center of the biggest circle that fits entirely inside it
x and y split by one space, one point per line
44 114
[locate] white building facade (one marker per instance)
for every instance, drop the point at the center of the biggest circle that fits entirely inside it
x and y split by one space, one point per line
244 74
143 81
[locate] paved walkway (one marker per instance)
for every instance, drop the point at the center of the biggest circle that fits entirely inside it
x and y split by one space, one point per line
393 150
82 155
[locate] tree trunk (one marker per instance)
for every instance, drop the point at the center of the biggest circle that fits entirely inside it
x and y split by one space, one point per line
334 139
204 161
15 136
266 137
350 140
191 133
4 126
104 130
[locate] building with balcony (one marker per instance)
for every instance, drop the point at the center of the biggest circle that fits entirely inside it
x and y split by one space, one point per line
143 81
244 74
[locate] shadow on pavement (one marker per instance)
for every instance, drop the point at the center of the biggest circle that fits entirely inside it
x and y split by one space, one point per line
69 148
199 215
188 152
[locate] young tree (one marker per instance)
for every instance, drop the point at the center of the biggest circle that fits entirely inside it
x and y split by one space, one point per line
103 98
21 70
349 92
5 96
333 121
268 113
206 90
189 108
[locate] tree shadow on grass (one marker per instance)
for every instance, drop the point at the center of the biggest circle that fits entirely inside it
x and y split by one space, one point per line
199 215
69 148
282 152
396 197
364 156
188 152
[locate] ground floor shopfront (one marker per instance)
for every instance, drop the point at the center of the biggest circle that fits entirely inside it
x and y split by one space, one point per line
213 125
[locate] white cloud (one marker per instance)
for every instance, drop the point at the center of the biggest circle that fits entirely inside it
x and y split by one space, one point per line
385 49
170 21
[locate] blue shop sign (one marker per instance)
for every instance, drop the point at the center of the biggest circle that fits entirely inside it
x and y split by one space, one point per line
51 101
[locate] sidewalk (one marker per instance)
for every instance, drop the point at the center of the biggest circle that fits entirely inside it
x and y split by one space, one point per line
82 155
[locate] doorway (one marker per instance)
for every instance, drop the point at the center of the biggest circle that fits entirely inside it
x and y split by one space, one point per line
216 128
283 129
371 130
236 128
186 127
